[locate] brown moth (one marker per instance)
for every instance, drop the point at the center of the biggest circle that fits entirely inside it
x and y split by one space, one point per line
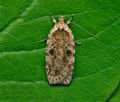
60 52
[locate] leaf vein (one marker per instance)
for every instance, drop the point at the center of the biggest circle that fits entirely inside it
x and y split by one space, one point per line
16 18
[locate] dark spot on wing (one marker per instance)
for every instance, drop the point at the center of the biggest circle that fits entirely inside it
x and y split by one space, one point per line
51 51
68 52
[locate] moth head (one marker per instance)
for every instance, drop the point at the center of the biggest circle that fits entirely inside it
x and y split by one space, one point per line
61 19
61 23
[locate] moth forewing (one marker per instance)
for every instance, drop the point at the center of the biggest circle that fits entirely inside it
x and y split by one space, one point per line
60 54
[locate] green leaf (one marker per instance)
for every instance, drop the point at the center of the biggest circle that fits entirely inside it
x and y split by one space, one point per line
116 94
23 23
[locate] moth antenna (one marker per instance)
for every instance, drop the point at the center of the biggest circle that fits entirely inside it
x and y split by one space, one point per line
78 43
41 41
54 20
69 21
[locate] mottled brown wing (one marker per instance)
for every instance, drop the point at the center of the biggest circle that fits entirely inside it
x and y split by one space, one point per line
60 57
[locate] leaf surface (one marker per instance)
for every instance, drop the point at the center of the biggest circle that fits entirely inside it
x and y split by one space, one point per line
23 23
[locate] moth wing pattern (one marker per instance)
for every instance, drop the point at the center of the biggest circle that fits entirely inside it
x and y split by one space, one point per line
60 52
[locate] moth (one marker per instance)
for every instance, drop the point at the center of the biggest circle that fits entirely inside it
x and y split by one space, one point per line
60 52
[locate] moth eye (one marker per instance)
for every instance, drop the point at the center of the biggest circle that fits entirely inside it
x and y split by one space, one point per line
62 29
51 51
68 52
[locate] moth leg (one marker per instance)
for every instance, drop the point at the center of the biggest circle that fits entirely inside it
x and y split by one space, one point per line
41 41
54 20
69 21
78 43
